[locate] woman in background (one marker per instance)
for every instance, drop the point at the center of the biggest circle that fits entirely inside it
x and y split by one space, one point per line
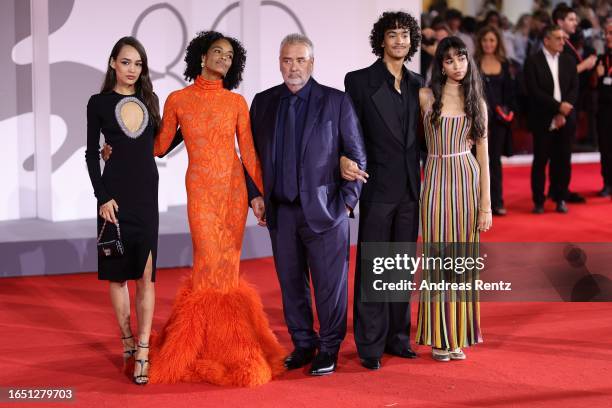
490 56
520 38
126 111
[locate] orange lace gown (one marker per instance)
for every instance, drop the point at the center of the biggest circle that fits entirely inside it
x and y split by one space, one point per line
218 331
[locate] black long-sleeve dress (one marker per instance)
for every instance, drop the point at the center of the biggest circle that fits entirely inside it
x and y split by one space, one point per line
130 178
499 91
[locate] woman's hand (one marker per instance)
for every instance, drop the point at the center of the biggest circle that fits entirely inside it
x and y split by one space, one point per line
106 151
350 171
485 220
107 211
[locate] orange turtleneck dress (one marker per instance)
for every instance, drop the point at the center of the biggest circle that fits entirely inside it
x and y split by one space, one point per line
218 331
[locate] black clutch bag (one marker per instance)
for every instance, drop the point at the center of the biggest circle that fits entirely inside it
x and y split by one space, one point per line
112 248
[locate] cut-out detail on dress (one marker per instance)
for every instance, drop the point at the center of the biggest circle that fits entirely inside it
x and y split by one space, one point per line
145 119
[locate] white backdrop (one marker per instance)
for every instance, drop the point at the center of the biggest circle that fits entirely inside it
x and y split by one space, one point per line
82 34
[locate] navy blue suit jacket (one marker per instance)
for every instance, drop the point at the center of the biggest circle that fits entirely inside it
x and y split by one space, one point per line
331 130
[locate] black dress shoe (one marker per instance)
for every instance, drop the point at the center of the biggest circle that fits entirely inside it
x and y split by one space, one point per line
538 209
575 198
405 353
605 192
499 211
561 207
371 363
324 363
299 358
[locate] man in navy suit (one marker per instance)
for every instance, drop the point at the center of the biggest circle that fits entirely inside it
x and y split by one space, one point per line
300 129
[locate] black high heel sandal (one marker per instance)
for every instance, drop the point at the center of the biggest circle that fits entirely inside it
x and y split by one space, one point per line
141 379
127 353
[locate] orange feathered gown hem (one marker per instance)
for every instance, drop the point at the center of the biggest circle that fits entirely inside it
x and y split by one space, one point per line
219 337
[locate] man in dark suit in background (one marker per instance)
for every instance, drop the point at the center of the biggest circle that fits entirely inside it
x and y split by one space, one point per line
567 19
300 128
552 84
386 98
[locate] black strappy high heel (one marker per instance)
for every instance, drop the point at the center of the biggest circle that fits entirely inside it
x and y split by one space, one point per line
141 379
127 352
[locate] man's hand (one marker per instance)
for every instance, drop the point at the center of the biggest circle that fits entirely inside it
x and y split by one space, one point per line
106 151
259 210
587 64
565 108
601 70
559 121
350 171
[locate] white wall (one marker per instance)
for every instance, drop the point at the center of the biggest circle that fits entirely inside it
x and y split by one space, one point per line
81 37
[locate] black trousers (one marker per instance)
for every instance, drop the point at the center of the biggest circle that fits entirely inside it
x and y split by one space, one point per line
381 326
554 147
496 143
604 133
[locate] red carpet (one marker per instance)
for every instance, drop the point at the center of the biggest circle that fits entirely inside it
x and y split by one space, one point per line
60 331
590 222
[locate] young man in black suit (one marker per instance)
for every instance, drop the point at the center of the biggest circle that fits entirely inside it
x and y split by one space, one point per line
552 84
386 99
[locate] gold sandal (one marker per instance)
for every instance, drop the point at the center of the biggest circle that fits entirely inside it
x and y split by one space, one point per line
457 354
440 354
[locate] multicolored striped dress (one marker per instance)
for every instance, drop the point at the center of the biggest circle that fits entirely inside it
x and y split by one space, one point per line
448 319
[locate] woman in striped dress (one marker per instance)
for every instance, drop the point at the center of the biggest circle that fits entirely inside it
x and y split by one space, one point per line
455 198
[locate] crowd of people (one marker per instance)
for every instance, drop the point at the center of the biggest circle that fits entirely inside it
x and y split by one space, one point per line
520 91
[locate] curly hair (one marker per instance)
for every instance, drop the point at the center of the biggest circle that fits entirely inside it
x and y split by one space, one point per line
390 20
200 45
472 86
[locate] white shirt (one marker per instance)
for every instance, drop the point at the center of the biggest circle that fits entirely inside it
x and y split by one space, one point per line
553 64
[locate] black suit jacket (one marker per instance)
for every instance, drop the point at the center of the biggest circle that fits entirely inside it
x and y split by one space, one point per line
393 160
540 88
331 129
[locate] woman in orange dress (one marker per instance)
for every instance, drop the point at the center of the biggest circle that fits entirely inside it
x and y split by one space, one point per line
218 331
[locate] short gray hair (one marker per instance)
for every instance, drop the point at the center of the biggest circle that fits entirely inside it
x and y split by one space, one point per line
297 38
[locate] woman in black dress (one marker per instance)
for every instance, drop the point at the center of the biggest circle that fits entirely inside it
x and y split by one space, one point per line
126 111
499 86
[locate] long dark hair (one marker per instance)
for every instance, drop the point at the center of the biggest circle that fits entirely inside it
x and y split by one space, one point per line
144 88
471 84
500 50
200 45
